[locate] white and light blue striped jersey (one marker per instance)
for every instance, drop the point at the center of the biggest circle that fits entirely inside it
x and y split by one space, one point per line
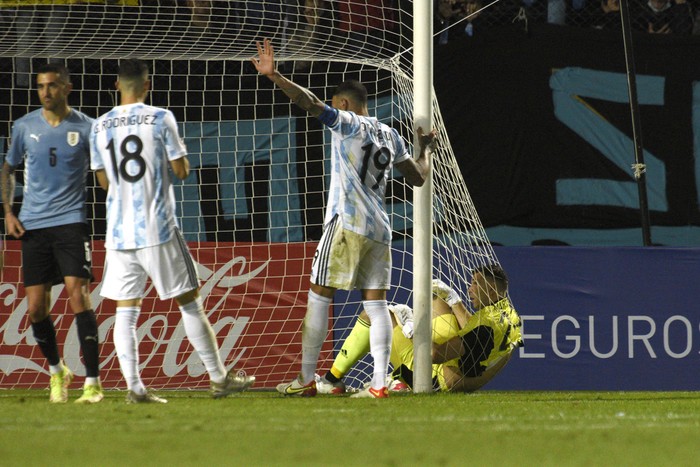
56 161
134 144
363 151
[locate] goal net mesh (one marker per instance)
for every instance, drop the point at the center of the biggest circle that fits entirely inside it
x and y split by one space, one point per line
252 208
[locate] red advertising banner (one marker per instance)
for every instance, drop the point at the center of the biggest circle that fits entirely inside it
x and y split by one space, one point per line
254 294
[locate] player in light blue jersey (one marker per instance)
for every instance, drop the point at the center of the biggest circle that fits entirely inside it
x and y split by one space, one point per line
354 251
133 147
53 143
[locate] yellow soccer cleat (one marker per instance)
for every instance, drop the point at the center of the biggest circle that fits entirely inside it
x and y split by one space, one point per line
59 385
92 394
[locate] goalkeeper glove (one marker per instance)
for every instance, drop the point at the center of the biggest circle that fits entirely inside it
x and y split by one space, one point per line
444 292
404 315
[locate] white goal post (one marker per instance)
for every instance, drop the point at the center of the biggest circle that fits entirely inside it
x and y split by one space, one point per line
423 198
252 209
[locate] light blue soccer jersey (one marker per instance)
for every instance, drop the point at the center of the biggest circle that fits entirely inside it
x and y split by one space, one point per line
56 161
134 144
363 151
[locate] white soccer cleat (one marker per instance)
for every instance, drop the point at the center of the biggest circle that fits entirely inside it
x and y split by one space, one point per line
148 398
323 386
397 385
297 388
371 393
231 384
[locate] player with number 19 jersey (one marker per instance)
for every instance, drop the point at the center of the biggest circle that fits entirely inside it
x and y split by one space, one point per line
134 143
55 168
361 167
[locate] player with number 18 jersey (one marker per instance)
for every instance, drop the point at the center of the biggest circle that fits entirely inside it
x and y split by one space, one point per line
134 143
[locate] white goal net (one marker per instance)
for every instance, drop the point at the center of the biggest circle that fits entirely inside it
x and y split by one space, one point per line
252 209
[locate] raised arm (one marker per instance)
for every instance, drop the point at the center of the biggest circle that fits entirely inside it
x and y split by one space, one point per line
415 170
265 64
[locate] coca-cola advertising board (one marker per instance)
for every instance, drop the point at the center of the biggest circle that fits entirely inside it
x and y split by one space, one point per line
254 295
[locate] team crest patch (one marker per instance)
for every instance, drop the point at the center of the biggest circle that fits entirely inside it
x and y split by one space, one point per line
73 138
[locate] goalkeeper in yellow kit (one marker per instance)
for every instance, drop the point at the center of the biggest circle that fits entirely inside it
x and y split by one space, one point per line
468 349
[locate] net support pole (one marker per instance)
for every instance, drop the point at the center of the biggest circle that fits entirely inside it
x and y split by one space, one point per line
639 167
422 199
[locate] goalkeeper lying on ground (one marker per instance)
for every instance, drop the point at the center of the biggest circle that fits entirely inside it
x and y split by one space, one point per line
468 349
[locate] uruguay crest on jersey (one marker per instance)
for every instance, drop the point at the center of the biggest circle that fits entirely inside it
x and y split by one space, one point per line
73 138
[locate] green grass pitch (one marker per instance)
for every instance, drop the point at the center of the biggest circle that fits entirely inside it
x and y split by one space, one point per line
488 428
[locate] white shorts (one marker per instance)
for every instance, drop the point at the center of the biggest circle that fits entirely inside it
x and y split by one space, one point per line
169 266
347 260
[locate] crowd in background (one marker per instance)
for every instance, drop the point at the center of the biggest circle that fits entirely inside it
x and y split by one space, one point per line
311 24
650 16
653 16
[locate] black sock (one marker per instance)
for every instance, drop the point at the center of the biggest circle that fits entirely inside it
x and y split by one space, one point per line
89 342
331 377
45 336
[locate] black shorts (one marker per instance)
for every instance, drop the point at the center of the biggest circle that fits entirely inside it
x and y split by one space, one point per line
50 254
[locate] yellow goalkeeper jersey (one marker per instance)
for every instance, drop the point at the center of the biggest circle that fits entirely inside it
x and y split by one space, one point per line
445 327
490 334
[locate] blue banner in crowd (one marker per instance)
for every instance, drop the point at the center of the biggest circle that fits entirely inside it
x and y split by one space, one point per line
540 124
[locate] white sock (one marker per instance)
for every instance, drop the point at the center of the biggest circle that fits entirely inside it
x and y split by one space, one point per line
202 337
313 334
127 347
91 381
379 339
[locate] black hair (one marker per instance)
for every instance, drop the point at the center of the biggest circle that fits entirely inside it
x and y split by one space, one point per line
131 68
494 273
354 89
57 68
